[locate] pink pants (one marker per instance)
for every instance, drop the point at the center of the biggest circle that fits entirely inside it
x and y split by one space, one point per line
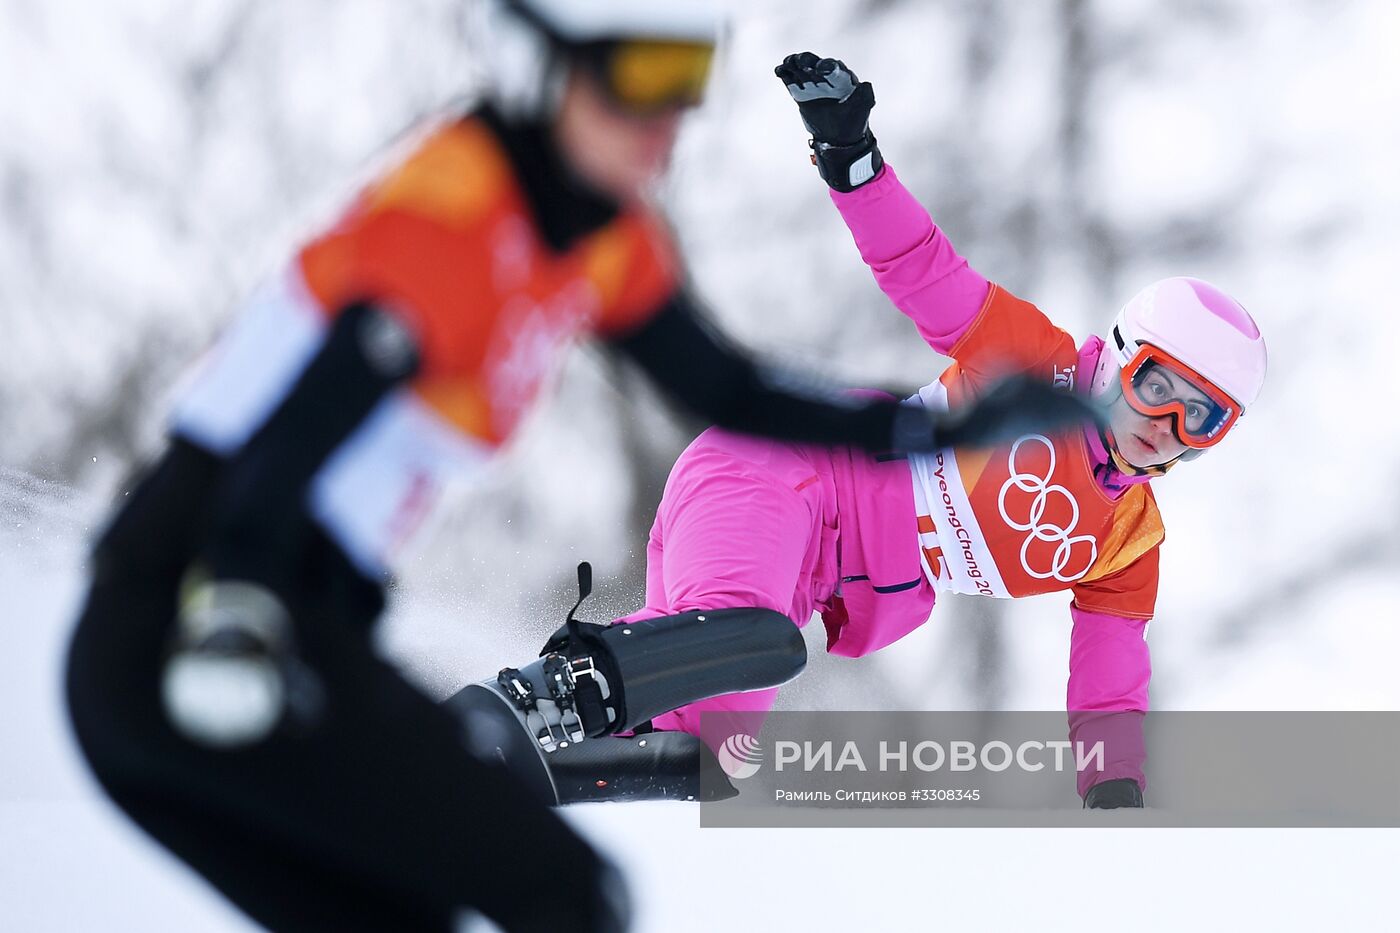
743 522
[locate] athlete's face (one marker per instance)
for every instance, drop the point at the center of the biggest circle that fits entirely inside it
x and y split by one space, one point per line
619 153
1141 440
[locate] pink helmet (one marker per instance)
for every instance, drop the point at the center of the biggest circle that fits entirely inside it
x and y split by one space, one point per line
1185 327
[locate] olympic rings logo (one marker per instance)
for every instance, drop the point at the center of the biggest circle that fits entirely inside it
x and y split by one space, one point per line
1061 537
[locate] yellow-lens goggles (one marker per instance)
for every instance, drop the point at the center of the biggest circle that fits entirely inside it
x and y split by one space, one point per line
648 76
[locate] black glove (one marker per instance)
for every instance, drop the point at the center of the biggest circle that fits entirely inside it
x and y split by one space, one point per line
835 106
1110 795
233 675
1012 408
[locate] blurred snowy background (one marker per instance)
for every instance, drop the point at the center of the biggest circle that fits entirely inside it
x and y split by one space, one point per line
157 159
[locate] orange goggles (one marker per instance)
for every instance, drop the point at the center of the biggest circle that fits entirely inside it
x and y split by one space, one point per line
1155 383
646 77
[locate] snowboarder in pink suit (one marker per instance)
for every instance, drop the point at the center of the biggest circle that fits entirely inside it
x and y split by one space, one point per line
870 543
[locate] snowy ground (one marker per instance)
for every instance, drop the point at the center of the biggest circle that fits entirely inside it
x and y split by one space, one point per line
68 862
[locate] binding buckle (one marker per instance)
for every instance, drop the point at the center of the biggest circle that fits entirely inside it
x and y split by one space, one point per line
520 690
559 678
522 693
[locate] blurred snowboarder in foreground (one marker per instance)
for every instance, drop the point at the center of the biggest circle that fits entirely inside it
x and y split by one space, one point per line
870 542
222 680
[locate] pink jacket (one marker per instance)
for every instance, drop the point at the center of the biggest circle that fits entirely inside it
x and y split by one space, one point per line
884 594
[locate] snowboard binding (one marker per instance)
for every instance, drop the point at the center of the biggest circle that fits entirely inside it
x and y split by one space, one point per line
555 719
594 681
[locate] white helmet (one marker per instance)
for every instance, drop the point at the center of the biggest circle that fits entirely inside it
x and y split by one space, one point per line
532 42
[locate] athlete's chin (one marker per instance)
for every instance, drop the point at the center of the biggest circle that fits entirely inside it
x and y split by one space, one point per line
628 183
1140 452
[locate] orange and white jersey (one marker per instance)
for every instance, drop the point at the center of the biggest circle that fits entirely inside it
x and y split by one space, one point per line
1030 516
447 240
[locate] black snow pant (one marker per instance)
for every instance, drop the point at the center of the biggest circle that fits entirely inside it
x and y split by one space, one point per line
374 818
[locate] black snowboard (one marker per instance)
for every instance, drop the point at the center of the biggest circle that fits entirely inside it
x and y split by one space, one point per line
645 766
